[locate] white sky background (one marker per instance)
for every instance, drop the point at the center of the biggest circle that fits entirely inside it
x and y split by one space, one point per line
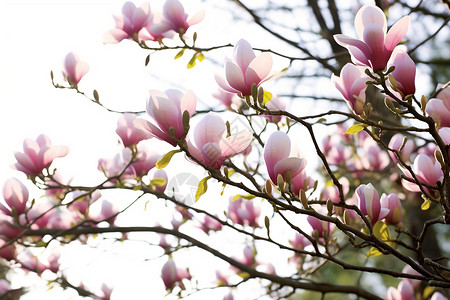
36 36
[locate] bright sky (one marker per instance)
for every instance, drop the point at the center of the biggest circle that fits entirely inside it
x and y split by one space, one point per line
36 36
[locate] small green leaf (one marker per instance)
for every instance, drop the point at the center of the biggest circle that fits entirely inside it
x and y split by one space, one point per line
247 197
179 54
267 97
165 160
355 128
202 187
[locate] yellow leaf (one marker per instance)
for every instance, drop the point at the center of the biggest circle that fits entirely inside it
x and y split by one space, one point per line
179 54
165 160
425 205
200 57
267 97
202 187
381 231
158 181
355 128
247 197
373 252
428 291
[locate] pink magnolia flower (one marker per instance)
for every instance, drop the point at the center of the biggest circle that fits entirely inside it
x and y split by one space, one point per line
171 275
372 157
415 283
4 286
301 181
404 72
426 170
404 291
129 134
176 19
275 104
210 224
393 204
15 195
7 252
245 69
112 167
130 24
374 47
352 86
146 160
276 156
226 98
323 228
212 146
82 201
160 173
438 296
439 108
166 110
38 155
74 69
445 135
299 241
396 142
108 212
369 203
244 212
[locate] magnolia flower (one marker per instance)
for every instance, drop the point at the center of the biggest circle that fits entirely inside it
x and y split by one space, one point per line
323 228
396 142
129 134
74 69
210 223
82 201
37 155
212 146
404 291
166 110
439 108
369 203
161 174
438 296
415 283
299 241
146 160
404 72
176 19
245 69
15 195
244 212
275 104
352 85
374 47
372 157
7 252
393 204
276 156
171 275
301 181
130 24
226 98
426 170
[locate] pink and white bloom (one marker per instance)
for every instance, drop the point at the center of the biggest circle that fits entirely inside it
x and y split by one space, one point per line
438 296
244 212
227 99
426 170
404 291
369 203
299 241
415 283
128 133
15 194
374 47
130 24
404 72
210 224
323 228
275 104
439 108
276 156
166 110
212 146
38 155
74 69
352 85
393 204
146 160
171 275
372 157
245 69
176 19
396 142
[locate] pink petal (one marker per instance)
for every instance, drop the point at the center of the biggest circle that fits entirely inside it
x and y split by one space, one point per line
369 14
258 69
243 54
152 130
173 11
358 57
196 18
293 164
25 164
53 152
396 33
236 143
346 41
224 85
188 102
210 129
211 154
235 78
114 36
